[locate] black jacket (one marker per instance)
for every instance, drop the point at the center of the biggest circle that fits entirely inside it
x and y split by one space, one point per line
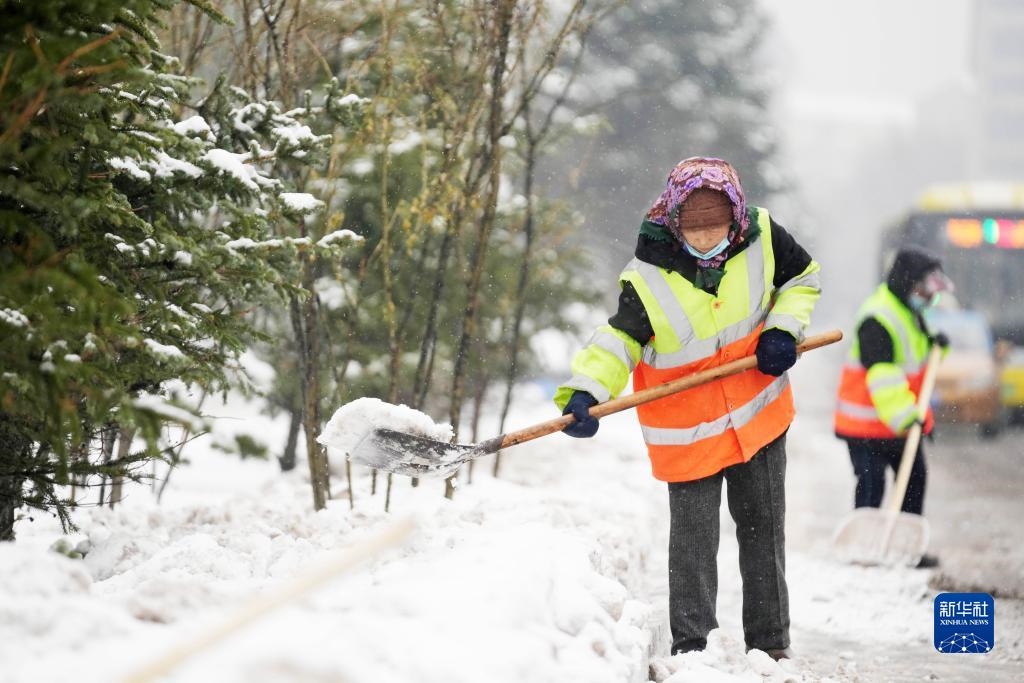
790 260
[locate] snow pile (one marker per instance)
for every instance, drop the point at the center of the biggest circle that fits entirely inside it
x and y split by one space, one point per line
725 661
354 420
526 578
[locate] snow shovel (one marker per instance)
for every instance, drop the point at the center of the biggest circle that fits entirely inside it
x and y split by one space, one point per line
873 536
418 456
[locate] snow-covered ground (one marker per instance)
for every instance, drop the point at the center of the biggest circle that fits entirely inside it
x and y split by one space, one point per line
553 572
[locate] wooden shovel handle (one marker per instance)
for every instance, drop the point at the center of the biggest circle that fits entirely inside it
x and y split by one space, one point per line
616 405
914 435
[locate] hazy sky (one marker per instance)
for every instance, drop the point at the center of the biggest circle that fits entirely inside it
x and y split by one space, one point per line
874 48
848 77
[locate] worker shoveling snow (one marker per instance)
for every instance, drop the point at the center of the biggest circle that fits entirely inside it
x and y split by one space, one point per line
412 452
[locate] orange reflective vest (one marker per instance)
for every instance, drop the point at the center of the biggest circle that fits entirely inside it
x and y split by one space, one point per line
856 416
703 430
880 402
698 432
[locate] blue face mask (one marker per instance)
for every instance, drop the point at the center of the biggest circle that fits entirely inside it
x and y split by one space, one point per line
711 253
919 303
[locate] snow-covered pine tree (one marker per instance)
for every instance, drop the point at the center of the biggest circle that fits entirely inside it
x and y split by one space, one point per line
132 240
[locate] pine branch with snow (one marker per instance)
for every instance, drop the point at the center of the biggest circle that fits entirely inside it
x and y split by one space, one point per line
135 241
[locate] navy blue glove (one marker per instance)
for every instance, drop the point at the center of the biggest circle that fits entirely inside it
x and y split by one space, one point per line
941 339
776 352
579 405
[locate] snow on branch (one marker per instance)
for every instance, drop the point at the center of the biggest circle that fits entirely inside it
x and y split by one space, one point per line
332 238
164 350
233 165
13 318
301 202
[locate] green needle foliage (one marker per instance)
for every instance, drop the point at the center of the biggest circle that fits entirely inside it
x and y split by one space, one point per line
136 234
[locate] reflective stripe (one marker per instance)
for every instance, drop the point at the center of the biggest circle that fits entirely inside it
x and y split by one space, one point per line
696 350
765 222
666 300
853 363
907 352
812 280
755 273
784 321
590 385
886 382
632 275
613 345
896 423
855 411
662 436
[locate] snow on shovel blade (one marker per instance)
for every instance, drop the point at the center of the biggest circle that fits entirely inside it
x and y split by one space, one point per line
412 455
872 536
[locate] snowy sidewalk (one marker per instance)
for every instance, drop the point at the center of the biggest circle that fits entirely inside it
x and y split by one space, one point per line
556 572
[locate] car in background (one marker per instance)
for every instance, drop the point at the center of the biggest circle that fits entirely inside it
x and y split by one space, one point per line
1011 378
967 383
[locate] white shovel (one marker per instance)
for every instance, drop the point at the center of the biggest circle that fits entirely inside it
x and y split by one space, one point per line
875 536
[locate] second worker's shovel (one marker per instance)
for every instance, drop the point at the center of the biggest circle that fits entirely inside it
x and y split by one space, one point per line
419 456
873 536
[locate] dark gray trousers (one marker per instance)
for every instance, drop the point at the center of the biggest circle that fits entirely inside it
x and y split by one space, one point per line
871 458
757 501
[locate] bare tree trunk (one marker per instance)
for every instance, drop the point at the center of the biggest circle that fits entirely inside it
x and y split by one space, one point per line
524 278
108 436
425 365
14 451
492 163
387 222
534 135
288 458
478 405
348 480
78 454
10 501
309 352
124 447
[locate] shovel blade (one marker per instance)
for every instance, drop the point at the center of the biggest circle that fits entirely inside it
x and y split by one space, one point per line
411 455
871 536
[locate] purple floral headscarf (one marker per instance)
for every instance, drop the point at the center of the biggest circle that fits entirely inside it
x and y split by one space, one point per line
690 174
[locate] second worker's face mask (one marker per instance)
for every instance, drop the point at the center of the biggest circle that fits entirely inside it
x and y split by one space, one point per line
929 290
